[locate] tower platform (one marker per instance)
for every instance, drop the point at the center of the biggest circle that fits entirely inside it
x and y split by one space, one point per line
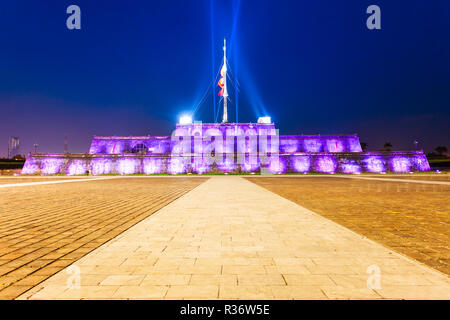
200 148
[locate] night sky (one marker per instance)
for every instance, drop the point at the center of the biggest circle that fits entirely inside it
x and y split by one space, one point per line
136 66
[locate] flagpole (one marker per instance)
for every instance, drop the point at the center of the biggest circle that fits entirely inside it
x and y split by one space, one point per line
225 91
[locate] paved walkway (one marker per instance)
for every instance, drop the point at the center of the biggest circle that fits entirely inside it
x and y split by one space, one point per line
231 239
45 228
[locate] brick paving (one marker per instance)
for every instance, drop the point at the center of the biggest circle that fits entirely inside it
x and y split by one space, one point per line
231 239
45 228
411 218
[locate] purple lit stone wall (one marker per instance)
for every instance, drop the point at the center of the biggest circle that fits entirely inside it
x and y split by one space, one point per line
320 162
238 148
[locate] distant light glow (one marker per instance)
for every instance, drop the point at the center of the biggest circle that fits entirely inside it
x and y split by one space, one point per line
265 119
186 119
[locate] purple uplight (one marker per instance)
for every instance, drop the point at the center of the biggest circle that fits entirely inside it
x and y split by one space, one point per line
276 165
127 166
227 165
374 164
51 166
177 165
422 163
115 146
400 164
250 163
77 167
152 165
101 166
312 145
350 167
200 166
335 145
354 145
301 163
289 146
30 167
326 164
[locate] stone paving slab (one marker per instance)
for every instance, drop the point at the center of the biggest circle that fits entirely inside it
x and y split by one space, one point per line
45 228
231 239
411 218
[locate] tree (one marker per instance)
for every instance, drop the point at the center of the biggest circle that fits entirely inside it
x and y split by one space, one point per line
441 150
387 146
364 146
18 157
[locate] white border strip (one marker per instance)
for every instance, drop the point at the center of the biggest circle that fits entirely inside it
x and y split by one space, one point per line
27 184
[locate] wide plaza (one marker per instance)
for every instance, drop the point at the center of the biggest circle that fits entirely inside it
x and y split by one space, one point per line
225 237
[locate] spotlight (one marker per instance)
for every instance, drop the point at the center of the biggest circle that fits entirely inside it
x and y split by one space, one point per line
264 120
185 120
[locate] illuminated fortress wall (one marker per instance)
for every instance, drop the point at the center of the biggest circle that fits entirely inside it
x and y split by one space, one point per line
229 148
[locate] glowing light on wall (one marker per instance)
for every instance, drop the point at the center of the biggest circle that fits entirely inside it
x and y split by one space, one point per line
127 166
101 166
177 165
312 145
400 164
374 164
30 166
335 145
354 145
51 166
421 163
350 167
115 147
288 146
152 165
163 154
200 166
326 164
250 163
227 165
77 167
276 165
301 163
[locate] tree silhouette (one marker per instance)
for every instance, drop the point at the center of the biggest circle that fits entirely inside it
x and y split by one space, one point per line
364 146
441 150
387 146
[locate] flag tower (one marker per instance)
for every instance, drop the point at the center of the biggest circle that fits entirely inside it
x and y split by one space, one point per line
223 83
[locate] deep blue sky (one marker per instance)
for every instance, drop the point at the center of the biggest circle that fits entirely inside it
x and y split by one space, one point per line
135 66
